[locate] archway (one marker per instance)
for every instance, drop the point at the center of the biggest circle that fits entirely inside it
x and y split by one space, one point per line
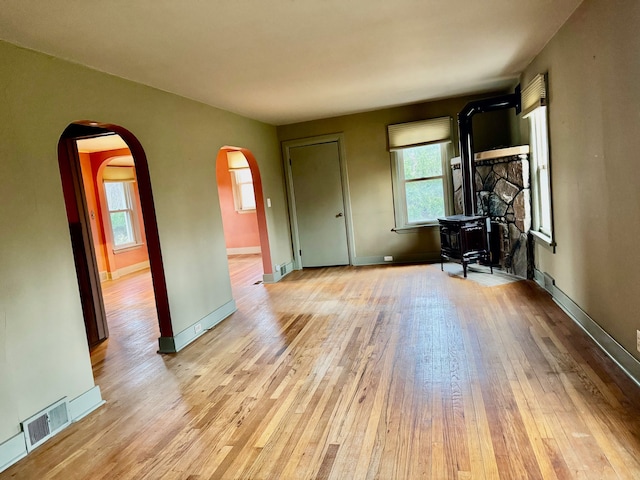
80 228
222 159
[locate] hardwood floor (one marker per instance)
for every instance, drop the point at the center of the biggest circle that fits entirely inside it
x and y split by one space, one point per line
389 372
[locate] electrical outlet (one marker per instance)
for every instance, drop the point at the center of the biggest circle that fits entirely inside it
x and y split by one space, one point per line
197 327
388 258
638 340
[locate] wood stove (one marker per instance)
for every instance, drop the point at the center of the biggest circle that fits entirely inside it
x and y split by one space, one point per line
465 239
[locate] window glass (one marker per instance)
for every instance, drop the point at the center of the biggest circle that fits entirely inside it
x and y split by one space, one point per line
243 193
421 184
121 213
116 197
421 162
425 200
541 181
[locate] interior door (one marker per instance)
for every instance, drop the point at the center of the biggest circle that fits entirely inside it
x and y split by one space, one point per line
319 204
95 318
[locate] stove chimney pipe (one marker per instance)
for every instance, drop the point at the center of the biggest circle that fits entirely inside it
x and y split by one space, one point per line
465 130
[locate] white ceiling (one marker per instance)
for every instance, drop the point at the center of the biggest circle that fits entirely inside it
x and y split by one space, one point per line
101 143
285 61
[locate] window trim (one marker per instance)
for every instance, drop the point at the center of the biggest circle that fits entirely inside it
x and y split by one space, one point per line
236 188
402 224
538 125
133 214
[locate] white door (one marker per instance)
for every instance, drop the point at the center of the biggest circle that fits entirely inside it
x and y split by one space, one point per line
319 204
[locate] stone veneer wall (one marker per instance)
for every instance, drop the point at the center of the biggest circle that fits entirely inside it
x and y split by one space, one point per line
503 193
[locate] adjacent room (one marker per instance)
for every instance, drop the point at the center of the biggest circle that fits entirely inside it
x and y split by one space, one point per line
319 240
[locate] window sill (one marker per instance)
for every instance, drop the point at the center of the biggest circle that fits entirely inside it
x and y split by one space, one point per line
544 240
126 248
246 211
414 228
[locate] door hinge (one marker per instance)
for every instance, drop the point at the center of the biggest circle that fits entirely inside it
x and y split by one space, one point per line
300 252
290 164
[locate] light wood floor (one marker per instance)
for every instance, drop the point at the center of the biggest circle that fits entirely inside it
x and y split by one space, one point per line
357 373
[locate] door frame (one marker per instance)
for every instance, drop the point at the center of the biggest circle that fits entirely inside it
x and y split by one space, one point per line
68 160
344 180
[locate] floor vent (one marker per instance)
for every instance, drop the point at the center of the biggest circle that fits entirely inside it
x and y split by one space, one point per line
44 425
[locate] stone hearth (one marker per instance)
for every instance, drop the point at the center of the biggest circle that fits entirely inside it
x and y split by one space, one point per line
503 193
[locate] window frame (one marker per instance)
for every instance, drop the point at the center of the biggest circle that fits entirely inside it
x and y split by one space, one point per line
239 200
131 211
402 222
540 162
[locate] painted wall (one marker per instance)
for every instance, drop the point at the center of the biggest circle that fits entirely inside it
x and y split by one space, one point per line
369 172
240 229
97 230
43 348
594 133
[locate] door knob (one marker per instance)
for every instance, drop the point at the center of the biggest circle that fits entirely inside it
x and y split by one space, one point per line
339 215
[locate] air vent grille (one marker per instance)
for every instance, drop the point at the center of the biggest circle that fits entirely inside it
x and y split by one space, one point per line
45 424
38 429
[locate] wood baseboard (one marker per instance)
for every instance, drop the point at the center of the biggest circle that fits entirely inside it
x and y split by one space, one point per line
244 250
185 337
12 451
627 362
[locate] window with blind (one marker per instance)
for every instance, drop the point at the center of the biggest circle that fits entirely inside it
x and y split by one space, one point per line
122 213
242 186
420 153
535 110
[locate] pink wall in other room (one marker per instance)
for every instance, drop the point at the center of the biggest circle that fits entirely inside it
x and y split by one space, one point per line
97 232
240 229
92 165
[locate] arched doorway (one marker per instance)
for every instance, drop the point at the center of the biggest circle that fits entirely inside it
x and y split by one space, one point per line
79 217
228 161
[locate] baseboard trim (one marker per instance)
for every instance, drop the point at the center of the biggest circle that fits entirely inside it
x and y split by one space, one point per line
185 337
136 267
398 259
84 404
244 250
12 451
15 449
278 273
627 362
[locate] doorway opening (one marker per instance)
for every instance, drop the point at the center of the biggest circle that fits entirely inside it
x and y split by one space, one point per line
112 223
242 205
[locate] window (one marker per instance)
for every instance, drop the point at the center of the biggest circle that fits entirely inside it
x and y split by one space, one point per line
242 185
420 184
122 214
534 102
420 154
540 171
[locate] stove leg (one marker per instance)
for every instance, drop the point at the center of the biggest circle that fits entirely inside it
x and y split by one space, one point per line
464 269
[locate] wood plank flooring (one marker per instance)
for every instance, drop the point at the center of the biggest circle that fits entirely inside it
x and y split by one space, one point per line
388 372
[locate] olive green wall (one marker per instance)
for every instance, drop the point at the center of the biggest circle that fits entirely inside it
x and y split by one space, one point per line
595 140
369 172
43 348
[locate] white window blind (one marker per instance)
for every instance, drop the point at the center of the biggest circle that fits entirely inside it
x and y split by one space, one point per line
534 95
423 132
118 174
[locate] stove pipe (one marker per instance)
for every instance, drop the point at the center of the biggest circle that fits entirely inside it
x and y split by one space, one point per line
465 130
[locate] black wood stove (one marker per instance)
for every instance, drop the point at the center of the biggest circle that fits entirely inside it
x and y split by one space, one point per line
465 239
